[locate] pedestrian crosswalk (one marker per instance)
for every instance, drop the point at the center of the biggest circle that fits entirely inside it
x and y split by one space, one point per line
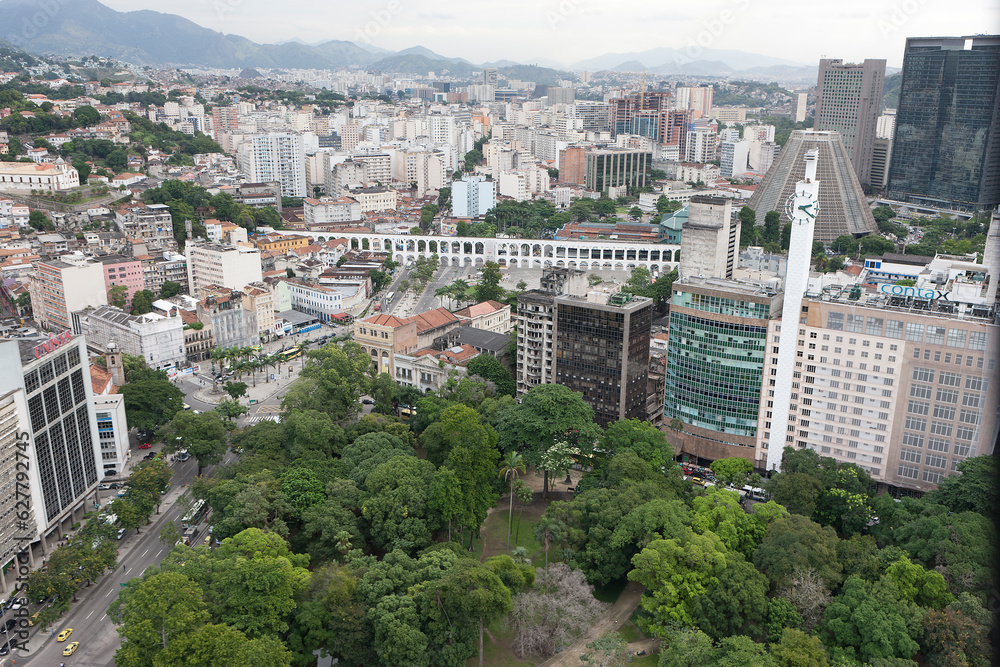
257 418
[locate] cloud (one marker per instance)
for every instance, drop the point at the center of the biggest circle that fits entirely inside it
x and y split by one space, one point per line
521 30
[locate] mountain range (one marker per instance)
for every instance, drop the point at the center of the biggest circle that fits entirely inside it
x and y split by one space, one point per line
145 37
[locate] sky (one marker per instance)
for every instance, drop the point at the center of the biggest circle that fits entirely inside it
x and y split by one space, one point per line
569 31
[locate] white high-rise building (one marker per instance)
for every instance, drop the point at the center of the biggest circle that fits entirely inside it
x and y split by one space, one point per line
885 125
733 157
275 157
224 265
46 403
700 145
801 209
473 196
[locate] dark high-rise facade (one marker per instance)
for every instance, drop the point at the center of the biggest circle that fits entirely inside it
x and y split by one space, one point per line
602 351
946 149
617 168
849 100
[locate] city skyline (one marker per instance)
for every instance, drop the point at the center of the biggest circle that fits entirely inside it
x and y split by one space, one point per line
566 31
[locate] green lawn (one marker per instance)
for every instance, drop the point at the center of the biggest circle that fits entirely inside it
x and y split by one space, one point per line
630 633
522 534
648 660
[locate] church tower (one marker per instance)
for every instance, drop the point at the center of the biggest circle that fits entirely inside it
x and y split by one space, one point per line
116 364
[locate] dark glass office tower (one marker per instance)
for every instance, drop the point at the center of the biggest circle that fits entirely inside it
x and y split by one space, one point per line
602 351
946 151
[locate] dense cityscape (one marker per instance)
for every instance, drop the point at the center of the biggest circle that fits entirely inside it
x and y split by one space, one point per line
295 338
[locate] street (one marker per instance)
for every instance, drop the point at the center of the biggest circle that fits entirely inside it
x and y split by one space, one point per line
97 635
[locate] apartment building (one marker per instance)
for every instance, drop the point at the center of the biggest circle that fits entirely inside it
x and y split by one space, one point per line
216 264
327 209
149 223
58 288
277 157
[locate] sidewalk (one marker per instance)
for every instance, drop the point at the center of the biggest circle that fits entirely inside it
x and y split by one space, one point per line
266 388
39 638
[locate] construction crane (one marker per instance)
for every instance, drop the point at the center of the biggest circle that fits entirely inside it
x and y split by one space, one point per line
642 89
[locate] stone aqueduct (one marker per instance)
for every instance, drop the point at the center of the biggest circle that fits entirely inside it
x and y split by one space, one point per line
587 254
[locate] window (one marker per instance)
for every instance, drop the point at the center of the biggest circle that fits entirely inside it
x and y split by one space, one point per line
944 412
932 477
965 433
935 461
941 428
913 440
937 445
956 338
962 449
918 408
947 395
976 383
969 416
935 335
855 323
907 471
950 379
915 332
923 374
921 391
893 329
916 424
977 340
971 400
910 456
835 321
873 326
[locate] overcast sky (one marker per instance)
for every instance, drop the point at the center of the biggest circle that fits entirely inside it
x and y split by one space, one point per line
572 30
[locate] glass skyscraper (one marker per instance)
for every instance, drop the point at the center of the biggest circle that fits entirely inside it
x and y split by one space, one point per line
946 151
715 360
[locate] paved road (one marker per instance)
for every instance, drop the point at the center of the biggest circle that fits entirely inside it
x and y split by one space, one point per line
96 633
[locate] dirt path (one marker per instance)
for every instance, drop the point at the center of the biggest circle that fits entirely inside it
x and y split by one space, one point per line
607 624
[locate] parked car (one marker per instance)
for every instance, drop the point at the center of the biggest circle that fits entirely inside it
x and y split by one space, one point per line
145 445
110 473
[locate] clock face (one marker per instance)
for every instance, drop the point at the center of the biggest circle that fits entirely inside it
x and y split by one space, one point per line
804 201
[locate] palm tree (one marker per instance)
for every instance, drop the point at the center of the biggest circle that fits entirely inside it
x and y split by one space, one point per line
513 465
548 530
302 352
442 292
217 356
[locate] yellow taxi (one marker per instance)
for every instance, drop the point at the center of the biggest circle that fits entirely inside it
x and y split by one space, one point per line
64 635
34 618
72 646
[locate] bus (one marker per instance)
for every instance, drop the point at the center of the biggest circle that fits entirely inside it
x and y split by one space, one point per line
390 296
196 513
288 355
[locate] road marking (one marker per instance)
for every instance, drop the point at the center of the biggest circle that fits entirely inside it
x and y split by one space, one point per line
110 592
104 617
144 553
158 553
91 613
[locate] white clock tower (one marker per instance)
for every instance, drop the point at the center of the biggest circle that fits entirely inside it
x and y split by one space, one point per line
801 209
